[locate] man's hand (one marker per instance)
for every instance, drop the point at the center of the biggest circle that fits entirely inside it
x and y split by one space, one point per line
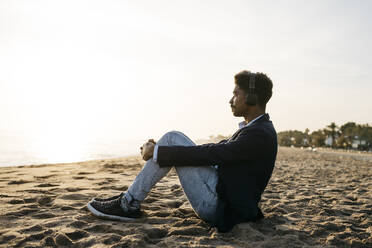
147 149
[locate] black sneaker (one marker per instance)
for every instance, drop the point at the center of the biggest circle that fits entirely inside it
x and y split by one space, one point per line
109 198
112 210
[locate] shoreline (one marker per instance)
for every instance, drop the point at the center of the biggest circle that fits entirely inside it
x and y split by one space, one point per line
367 154
70 162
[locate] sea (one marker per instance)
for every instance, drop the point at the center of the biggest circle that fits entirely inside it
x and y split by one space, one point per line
17 150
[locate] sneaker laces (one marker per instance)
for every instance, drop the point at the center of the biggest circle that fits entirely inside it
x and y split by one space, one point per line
110 204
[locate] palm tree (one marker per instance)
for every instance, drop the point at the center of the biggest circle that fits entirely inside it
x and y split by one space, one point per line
307 136
332 130
317 138
348 132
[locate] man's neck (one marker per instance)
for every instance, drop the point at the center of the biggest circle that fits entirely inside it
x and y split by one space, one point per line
253 115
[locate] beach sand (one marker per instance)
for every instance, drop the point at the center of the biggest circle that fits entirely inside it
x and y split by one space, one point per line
314 199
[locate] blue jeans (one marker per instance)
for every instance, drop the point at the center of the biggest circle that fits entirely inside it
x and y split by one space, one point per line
198 183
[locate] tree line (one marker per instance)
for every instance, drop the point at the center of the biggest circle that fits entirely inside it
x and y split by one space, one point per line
348 136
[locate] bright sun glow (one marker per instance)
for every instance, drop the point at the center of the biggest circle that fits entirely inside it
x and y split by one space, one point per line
59 149
59 144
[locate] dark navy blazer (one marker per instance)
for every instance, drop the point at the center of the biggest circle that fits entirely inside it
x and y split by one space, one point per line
245 164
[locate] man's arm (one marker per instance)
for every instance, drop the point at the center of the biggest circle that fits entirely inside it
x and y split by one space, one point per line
153 152
222 141
249 144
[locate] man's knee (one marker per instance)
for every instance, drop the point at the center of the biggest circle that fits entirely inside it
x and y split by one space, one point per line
174 137
176 133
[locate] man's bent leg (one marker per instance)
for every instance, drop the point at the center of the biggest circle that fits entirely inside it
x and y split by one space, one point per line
198 183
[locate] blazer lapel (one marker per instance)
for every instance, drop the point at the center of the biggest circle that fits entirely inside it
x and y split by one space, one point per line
235 134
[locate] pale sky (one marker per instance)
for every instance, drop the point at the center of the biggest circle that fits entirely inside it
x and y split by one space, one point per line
136 69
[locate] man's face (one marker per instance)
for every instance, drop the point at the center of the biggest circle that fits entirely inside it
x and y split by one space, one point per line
237 102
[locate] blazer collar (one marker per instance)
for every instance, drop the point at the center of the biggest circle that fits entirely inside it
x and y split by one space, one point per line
263 118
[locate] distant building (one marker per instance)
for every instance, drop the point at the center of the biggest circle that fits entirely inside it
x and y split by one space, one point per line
328 141
356 143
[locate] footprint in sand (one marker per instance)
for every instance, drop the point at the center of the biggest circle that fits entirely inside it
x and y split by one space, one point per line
177 192
173 204
106 181
45 177
16 201
30 200
22 212
161 214
185 211
79 178
111 239
5 238
62 240
70 189
180 214
32 206
85 173
52 223
35 228
6 196
21 181
77 234
86 218
186 222
43 216
45 200
156 233
120 188
48 242
11 171
32 237
66 208
75 196
102 228
150 199
113 165
78 224
101 183
175 186
189 231
44 185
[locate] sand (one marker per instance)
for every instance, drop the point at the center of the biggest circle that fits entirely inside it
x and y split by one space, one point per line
314 199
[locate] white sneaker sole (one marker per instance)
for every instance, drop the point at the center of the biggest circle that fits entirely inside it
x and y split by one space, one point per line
101 215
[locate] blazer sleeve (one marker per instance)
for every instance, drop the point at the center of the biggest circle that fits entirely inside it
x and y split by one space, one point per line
248 145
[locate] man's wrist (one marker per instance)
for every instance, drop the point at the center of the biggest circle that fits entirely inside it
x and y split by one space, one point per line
155 153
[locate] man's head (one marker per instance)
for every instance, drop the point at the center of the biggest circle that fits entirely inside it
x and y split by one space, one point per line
262 89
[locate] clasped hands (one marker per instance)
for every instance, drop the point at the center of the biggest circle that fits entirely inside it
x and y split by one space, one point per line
147 149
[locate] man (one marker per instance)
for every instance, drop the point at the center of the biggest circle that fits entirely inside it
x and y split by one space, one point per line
224 181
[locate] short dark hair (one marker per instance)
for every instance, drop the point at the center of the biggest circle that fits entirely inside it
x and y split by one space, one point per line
263 85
